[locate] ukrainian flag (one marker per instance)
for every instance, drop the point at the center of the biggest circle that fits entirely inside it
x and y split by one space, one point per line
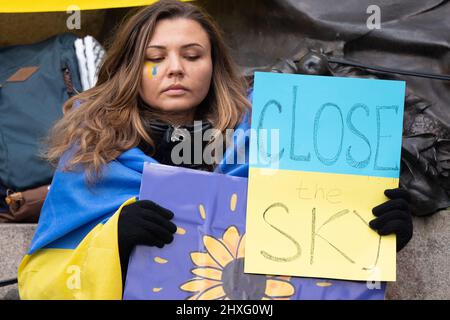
74 253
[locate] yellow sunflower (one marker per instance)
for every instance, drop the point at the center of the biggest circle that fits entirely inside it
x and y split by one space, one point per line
220 273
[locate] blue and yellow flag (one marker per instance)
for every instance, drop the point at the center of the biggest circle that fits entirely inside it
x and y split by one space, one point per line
74 252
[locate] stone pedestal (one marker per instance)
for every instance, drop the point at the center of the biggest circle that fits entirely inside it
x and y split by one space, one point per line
423 266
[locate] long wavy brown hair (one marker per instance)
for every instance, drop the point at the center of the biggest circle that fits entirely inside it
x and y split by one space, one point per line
110 119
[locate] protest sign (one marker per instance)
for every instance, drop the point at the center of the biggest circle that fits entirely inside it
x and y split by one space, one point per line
312 189
206 258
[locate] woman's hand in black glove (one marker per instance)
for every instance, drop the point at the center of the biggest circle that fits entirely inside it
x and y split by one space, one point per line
143 223
394 217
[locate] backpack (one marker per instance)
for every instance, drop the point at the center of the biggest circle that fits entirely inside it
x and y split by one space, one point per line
35 81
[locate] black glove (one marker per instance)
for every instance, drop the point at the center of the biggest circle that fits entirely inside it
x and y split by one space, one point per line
143 223
394 216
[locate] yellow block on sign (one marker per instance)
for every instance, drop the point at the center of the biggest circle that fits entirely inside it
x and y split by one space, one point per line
65 5
318 226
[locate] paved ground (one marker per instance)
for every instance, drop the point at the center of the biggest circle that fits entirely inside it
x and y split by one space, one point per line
14 241
423 267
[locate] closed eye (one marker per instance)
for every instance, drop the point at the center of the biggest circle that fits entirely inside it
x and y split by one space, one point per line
155 59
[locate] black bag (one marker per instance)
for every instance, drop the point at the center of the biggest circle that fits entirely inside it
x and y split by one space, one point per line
35 81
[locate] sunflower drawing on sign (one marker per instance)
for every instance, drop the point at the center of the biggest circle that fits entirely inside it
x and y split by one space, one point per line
220 273
206 259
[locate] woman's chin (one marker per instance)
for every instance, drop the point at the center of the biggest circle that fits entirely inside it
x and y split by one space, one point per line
180 106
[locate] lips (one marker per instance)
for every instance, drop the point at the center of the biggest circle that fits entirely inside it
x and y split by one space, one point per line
175 90
176 87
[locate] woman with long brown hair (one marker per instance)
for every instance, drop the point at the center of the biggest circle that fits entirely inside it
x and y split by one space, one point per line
130 91
167 68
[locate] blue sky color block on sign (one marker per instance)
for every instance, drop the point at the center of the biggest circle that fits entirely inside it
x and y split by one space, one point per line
329 124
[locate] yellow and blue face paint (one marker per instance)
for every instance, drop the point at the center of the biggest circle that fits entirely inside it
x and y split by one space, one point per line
152 69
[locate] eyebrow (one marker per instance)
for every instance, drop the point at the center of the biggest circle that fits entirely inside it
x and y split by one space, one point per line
183 47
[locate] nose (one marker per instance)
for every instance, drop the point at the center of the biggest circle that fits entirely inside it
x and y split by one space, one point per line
175 66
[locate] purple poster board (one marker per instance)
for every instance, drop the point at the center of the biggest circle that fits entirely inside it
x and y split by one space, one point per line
206 258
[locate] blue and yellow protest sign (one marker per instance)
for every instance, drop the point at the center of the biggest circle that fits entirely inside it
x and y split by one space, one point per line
312 185
206 259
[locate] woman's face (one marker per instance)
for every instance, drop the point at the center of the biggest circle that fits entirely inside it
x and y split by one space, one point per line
178 54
